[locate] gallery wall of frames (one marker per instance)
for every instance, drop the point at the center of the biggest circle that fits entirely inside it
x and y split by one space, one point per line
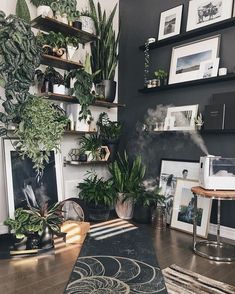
186 74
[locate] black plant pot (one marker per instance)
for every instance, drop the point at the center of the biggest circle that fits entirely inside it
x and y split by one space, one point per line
142 214
109 90
77 24
46 240
33 241
113 148
20 244
98 213
82 157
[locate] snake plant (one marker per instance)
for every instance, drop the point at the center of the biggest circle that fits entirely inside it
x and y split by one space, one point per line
22 10
104 55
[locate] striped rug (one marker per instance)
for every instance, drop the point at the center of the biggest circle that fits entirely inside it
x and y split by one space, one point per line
182 281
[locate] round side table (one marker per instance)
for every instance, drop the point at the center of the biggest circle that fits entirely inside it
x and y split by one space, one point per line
213 250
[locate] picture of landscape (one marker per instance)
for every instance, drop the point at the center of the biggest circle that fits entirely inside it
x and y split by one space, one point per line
170 22
192 62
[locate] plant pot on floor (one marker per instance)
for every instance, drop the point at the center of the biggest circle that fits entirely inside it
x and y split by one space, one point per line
142 214
124 209
109 89
47 240
98 213
59 89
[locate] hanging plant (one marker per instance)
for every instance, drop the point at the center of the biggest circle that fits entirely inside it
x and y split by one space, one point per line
19 57
22 10
34 139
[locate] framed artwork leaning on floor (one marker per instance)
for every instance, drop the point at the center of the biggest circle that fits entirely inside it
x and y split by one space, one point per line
23 185
171 170
183 209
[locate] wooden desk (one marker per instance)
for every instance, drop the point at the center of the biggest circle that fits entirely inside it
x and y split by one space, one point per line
214 250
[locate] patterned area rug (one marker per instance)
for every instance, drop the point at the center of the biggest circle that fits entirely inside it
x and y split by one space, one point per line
117 257
181 281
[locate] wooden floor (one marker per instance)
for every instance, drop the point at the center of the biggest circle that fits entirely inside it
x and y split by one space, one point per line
50 273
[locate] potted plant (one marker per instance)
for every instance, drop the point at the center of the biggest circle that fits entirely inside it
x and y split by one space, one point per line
49 220
90 145
104 56
87 21
146 200
161 76
64 10
127 178
110 132
43 7
22 228
72 44
98 195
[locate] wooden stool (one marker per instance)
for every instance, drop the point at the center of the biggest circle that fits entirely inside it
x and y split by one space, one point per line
214 250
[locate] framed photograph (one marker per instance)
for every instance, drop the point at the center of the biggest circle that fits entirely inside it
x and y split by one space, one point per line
171 170
24 186
182 216
186 59
209 69
170 22
181 118
205 12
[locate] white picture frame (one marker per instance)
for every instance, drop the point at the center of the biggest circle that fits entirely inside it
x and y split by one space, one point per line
170 22
209 68
181 118
182 216
170 171
186 59
205 12
22 184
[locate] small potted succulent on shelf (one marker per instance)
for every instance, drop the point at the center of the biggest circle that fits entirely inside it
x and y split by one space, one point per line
43 7
98 194
161 77
87 21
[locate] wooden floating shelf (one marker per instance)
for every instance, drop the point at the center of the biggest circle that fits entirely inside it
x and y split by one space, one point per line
79 163
191 34
59 62
71 99
172 132
79 132
228 77
48 24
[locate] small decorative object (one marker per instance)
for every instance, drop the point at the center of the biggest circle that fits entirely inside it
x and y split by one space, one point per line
74 154
209 68
199 122
171 170
170 22
161 76
104 153
182 117
186 59
205 12
182 216
82 157
223 71
146 61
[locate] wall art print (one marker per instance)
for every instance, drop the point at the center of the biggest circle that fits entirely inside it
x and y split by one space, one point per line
205 12
170 22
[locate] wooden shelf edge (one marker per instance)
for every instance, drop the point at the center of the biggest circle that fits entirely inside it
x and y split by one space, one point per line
59 62
191 34
79 163
79 132
225 78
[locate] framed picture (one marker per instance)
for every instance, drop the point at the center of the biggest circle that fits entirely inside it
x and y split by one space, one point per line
170 22
205 12
186 59
182 216
23 185
209 69
171 170
181 118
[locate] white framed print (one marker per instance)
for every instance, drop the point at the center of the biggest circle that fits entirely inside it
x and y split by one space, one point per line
183 209
209 68
181 118
170 22
24 186
205 12
171 170
186 59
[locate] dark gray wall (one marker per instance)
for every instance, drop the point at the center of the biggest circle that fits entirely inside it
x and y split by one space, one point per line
139 21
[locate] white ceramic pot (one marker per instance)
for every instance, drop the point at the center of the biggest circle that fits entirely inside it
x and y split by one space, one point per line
89 156
124 209
59 89
44 10
87 24
70 52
